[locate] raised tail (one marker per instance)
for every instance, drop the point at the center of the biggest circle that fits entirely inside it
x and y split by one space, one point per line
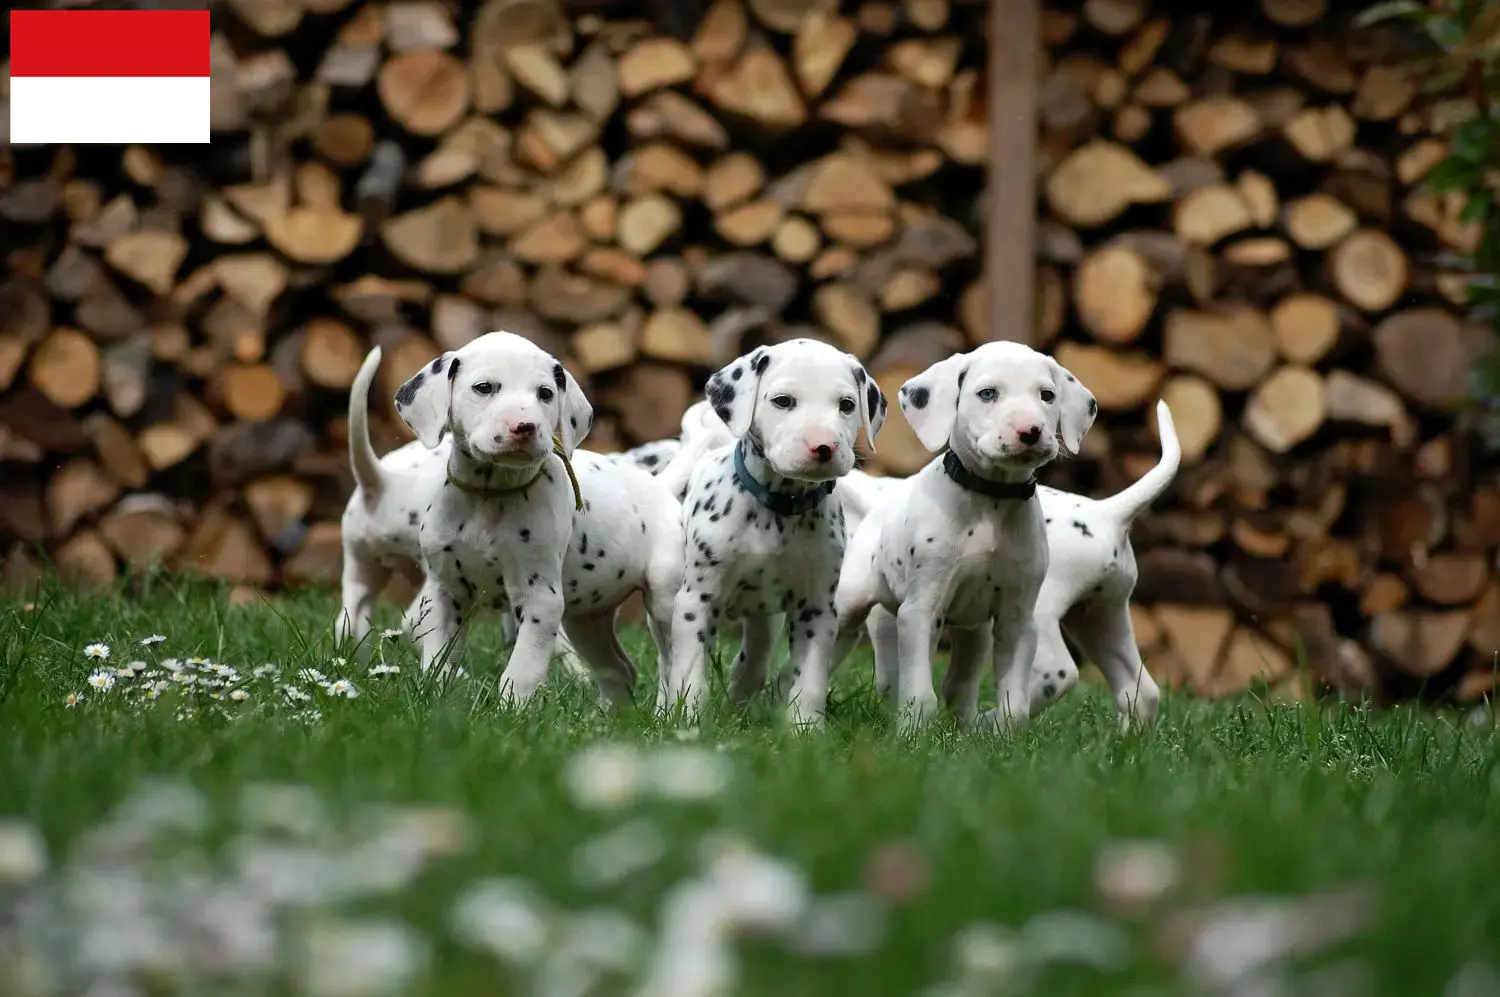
702 431
362 457
1129 502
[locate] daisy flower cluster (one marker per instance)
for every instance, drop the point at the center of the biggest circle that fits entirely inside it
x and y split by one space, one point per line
195 685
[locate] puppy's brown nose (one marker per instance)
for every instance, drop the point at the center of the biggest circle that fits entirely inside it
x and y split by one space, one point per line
523 430
1030 435
823 452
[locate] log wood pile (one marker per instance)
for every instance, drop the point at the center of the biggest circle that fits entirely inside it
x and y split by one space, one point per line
1231 217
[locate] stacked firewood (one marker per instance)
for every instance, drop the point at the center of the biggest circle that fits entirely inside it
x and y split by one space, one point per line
1232 218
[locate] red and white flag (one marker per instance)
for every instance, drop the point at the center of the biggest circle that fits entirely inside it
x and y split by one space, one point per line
109 76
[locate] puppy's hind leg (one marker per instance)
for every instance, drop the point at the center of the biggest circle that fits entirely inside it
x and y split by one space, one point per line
362 582
748 675
881 625
1105 636
971 648
1053 672
664 574
599 646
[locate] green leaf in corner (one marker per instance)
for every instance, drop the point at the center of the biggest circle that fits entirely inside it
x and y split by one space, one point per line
1390 9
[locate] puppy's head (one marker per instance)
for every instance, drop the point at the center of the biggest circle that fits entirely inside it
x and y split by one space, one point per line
802 403
501 396
1002 407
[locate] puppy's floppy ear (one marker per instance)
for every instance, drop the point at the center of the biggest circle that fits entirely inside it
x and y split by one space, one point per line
733 390
1076 408
575 416
423 401
872 405
930 400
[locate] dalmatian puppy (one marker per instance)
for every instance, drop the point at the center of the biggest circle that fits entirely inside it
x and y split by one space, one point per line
962 543
762 536
1091 575
380 528
505 515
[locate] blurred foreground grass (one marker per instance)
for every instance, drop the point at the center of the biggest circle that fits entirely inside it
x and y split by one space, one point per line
232 809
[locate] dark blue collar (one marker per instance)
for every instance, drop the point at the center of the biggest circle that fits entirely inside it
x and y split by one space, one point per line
781 503
965 478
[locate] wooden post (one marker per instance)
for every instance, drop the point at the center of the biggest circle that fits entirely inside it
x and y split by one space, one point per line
1010 232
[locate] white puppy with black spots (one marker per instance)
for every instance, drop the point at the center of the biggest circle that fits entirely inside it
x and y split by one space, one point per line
506 524
1091 574
764 537
381 528
962 544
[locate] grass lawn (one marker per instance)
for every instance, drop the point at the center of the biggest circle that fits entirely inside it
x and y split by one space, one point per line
402 841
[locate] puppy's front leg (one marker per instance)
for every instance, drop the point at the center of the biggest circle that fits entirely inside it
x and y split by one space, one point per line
436 620
811 658
539 611
915 635
972 648
694 630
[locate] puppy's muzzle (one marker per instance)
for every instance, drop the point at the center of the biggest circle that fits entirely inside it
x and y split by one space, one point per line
1030 435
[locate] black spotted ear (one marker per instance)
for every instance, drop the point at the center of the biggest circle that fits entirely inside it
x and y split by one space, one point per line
1076 408
871 405
575 413
732 390
930 400
422 402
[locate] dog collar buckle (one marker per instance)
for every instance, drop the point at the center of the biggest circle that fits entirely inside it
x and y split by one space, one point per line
781 503
964 478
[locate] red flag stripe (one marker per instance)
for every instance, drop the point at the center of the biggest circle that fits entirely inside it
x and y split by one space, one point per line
109 43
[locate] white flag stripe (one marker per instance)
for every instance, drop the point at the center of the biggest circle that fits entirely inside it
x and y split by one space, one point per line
109 109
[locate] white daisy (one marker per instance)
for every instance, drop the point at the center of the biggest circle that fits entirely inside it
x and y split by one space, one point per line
96 651
294 694
239 695
202 664
342 687
153 639
74 698
128 671
171 664
156 689
338 662
265 671
102 680
391 633
312 675
385 669
310 716
216 696
183 678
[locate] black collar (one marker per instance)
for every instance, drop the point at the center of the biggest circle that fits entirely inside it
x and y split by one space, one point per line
781 503
965 478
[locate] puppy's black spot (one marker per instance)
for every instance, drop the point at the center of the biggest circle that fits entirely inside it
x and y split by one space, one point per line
872 397
859 375
437 366
961 375
1093 407
453 369
1072 378
722 411
525 536
558 378
736 372
408 392
1049 690
1082 528
919 397
411 519
761 363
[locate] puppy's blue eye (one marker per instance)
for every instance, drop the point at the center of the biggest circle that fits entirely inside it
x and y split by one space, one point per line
784 401
846 405
544 393
1048 394
987 394
485 387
